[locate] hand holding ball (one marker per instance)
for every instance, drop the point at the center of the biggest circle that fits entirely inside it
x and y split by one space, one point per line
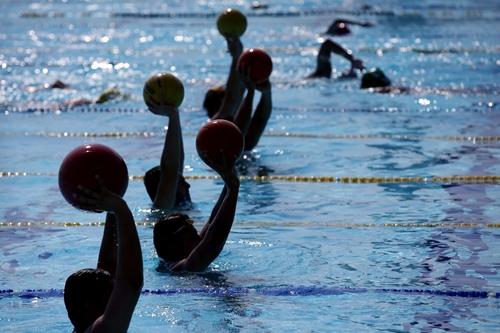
163 88
259 64
219 141
231 23
82 164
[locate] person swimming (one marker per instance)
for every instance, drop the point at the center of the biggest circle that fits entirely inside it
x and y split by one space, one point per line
340 27
103 299
324 66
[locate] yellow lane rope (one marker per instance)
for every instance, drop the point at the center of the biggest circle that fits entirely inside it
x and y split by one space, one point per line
493 179
259 224
118 134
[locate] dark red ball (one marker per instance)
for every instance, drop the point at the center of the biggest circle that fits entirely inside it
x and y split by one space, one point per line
81 166
219 139
260 64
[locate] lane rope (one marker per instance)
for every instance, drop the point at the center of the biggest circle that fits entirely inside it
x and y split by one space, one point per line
50 109
267 291
146 134
260 224
458 180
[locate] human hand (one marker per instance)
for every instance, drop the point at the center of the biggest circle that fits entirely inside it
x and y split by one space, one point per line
234 46
245 77
357 64
163 109
264 86
100 199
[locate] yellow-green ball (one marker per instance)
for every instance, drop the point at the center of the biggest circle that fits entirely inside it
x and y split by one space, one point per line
231 23
163 88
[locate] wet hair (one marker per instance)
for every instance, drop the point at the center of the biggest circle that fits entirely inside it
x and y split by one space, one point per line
213 100
374 78
338 28
152 181
86 294
169 247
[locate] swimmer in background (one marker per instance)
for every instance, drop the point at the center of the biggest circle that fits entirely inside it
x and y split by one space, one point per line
324 66
107 95
165 184
226 103
177 241
340 27
375 80
104 299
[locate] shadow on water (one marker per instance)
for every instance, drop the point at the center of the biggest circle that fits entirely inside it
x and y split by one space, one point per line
261 195
446 266
446 263
232 305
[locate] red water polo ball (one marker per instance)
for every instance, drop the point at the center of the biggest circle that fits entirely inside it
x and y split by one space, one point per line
81 166
259 62
217 140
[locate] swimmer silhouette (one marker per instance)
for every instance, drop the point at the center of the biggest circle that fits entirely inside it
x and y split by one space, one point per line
226 102
179 244
165 183
104 299
107 95
340 27
324 66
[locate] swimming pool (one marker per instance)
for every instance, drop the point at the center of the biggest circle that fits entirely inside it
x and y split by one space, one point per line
354 248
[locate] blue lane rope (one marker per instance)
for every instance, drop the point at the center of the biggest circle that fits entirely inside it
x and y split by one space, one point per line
267 291
262 224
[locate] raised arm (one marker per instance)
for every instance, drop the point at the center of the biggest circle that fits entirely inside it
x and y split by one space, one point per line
129 271
244 114
215 210
345 53
215 236
171 159
109 246
362 24
261 116
234 87
324 66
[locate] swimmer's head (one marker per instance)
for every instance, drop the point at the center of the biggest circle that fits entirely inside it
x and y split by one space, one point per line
109 95
341 29
86 294
213 100
152 180
175 237
374 78
338 28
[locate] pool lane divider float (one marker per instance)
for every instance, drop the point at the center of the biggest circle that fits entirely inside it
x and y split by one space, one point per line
289 291
137 134
57 109
455 180
260 224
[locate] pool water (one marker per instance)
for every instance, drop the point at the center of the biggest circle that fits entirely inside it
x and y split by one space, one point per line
350 254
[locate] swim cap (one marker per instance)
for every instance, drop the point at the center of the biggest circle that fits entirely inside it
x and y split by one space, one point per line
374 78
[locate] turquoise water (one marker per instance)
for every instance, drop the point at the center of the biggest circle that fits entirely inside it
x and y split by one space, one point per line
302 257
